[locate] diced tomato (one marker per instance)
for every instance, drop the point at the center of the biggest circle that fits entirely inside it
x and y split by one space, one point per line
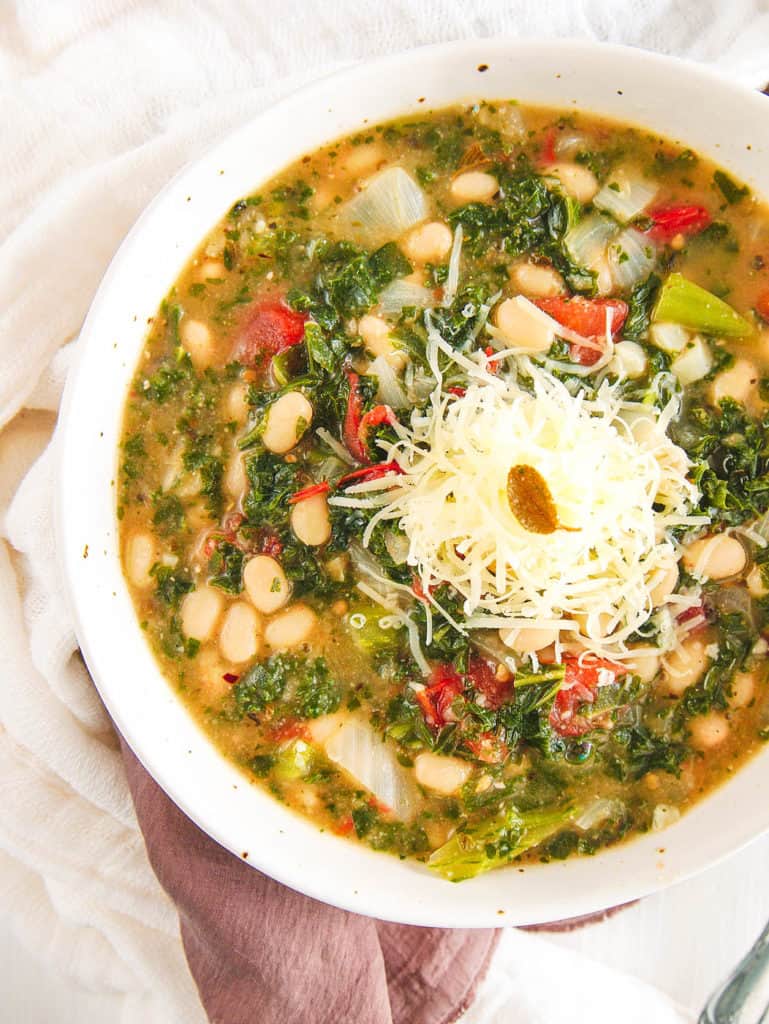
374 418
437 698
762 306
271 545
493 364
482 675
547 152
488 748
310 492
419 590
230 677
689 614
670 221
370 472
352 419
579 687
232 522
459 392
345 826
291 729
586 317
269 327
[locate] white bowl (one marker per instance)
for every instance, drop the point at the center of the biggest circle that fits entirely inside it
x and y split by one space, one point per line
682 101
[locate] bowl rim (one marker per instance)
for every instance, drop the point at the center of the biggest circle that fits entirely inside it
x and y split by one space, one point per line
85 590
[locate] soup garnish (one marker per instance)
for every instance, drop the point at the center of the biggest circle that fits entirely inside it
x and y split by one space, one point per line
444 484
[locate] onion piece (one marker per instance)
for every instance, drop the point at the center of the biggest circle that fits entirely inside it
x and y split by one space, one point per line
364 755
598 811
631 258
625 194
452 278
390 392
397 545
586 242
390 203
400 293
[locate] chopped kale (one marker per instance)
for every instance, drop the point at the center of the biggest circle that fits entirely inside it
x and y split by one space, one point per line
729 189
226 567
262 684
168 514
318 693
170 584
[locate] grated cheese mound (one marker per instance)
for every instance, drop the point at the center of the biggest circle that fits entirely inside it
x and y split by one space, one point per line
607 464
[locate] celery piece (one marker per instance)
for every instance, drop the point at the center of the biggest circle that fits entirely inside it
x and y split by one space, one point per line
494 843
364 620
293 762
683 302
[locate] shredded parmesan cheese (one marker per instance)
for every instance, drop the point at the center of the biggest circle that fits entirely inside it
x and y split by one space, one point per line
617 491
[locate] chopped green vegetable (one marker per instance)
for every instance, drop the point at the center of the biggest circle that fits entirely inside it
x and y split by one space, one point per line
496 842
683 302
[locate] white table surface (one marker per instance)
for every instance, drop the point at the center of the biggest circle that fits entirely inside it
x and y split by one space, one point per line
683 940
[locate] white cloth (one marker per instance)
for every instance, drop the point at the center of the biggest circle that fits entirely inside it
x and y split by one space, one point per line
102 101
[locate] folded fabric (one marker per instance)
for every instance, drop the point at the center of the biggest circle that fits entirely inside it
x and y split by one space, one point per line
260 951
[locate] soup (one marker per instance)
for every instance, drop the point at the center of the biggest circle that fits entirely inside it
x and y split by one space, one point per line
443 484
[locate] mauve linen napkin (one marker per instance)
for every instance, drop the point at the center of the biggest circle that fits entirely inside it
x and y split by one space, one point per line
260 952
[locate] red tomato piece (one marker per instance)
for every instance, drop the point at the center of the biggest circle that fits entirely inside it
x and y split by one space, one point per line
370 472
482 676
585 316
670 221
547 153
310 492
291 729
762 306
352 419
579 687
488 748
373 418
269 327
419 590
271 545
459 392
437 698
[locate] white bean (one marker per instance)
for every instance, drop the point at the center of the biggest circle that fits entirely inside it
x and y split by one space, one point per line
709 730
576 180
443 774
239 637
537 280
524 326
198 341
375 333
287 419
210 269
291 627
524 641
645 663
629 360
235 476
310 520
743 689
363 159
664 586
265 583
428 243
686 665
737 382
715 558
236 407
474 187
200 612
596 626
323 728
140 556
